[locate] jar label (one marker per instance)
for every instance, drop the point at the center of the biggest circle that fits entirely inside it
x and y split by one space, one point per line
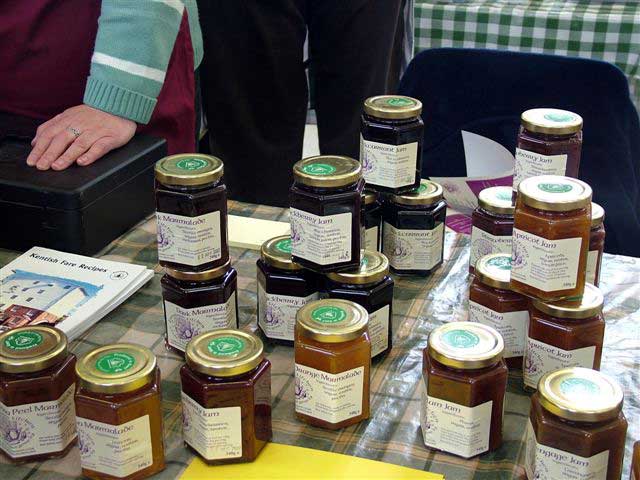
38 428
24 340
540 358
322 240
117 450
189 240
371 238
413 249
483 243
511 325
531 164
329 397
379 330
277 313
548 265
215 433
386 165
592 266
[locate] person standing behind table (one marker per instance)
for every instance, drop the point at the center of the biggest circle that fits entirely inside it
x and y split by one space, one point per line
95 72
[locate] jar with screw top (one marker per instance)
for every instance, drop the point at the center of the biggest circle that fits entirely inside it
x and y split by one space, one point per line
372 212
596 244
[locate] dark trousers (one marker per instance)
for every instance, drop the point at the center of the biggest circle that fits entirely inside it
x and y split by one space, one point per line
255 89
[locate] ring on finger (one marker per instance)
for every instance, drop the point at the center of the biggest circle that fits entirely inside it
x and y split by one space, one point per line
75 131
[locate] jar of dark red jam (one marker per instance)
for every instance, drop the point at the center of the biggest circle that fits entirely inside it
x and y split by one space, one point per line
413 230
370 286
576 427
283 288
198 302
119 415
372 213
549 143
226 397
596 244
492 224
492 303
465 380
325 213
37 383
391 143
191 211
568 333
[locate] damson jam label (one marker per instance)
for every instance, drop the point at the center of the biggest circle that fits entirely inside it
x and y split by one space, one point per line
284 246
319 169
226 346
555 187
191 164
24 340
461 339
115 362
329 314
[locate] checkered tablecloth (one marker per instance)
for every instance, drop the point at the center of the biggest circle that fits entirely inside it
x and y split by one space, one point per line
392 434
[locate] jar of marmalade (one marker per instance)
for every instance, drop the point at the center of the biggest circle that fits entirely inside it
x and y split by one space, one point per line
119 416
191 211
372 213
198 302
596 244
37 383
576 427
226 397
325 213
391 143
465 380
551 237
332 364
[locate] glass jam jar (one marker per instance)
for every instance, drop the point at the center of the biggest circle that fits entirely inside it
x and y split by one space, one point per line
576 427
413 230
492 303
283 287
117 406
549 143
370 286
197 302
325 213
372 212
596 244
568 333
551 237
391 143
635 463
492 224
465 381
332 364
191 211
226 397
37 383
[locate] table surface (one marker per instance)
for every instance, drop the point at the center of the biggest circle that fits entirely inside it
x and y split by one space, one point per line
392 434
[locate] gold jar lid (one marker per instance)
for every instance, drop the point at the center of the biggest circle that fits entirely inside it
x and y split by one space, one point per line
277 252
189 169
31 349
580 394
551 121
597 215
369 197
494 270
427 193
118 368
374 266
394 107
465 345
497 200
224 353
332 320
327 171
554 193
202 276
587 306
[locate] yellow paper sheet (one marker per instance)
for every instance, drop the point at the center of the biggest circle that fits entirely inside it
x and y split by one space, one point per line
246 232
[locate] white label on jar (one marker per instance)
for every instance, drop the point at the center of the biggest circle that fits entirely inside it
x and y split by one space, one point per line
189 240
531 164
483 243
592 266
547 463
185 323
371 238
117 450
547 265
329 397
322 240
511 325
215 433
455 428
387 165
540 358
277 313
413 249
38 428
379 330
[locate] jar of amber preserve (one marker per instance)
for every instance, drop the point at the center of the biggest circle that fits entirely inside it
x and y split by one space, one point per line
596 244
492 303
198 302
325 214
191 211
37 382
576 427
332 364
370 286
226 397
492 224
413 230
551 237
283 287
391 143
549 143
567 333
119 416
372 212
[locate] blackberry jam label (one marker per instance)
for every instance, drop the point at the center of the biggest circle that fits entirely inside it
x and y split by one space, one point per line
531 164
322 240
277 313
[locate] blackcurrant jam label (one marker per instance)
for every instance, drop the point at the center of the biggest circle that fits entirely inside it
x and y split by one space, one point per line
391 166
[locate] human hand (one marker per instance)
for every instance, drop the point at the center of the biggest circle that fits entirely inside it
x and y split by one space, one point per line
80 134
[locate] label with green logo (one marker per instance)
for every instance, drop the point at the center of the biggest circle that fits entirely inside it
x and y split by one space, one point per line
318 169
503 263
115 362
25 340
559 117
284 246
329 314
400 102
555 187
460 339
505 196
226 346
191 164
578 388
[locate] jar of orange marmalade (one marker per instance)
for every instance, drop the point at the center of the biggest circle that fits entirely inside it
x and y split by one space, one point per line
596 244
